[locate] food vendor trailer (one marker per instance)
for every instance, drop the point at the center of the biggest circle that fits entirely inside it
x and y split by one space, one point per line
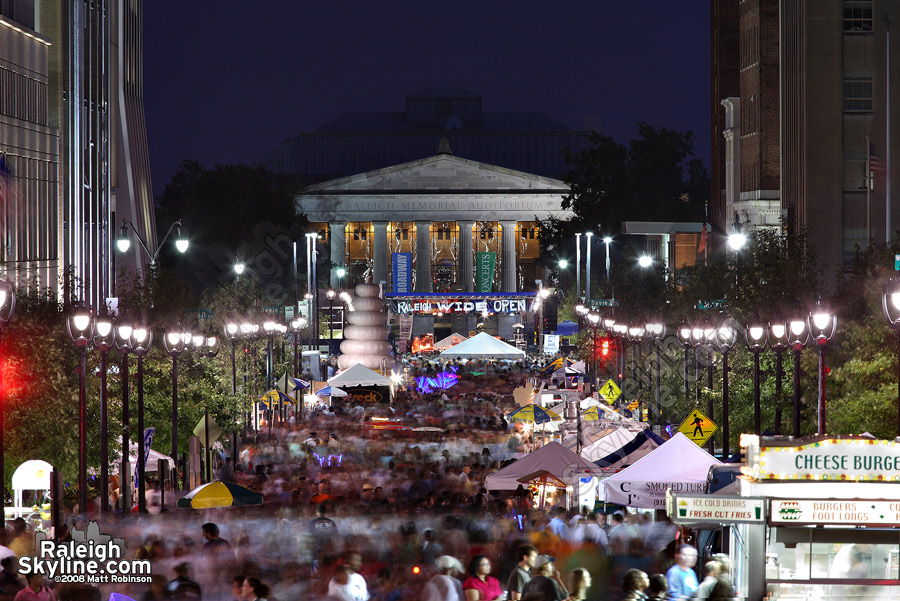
820 519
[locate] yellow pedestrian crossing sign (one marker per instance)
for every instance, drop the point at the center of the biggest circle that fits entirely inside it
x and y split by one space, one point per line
609 392
698 427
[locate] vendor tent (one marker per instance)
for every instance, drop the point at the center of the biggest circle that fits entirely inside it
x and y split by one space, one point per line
615 447
552 458
483 346
33 474
359 375
678 464
448 342
152 464
566 328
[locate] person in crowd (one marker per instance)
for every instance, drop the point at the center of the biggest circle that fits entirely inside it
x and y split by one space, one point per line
9 577
521 574
255 590
723 590
681 577
157 590
182 588
480 585
545 581
355 585
579 583
557 524
215 545
445 585
710 578
237 589
35 591
658 589
633 584
430 549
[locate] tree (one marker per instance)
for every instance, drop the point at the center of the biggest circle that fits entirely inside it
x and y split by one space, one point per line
230 211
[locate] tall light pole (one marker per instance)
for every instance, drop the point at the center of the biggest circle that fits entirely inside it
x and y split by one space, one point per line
890 304
141 338
104 338
594 321
587 276
756 336
7 310
778 341
709 342
209 349
232 331
657 331
578 266
123 242
607 240
79 326
175 342
799 338
726 337
684 336
330 294
822 325
636 336
124 346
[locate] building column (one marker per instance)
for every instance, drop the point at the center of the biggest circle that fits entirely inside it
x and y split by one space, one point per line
466 257
423 256
337 232
508 244
380 250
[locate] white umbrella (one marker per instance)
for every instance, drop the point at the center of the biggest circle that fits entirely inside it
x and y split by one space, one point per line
331 391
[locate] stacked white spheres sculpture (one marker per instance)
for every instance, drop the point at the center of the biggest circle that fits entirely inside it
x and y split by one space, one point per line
365 339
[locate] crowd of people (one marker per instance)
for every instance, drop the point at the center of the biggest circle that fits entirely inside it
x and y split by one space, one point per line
353 513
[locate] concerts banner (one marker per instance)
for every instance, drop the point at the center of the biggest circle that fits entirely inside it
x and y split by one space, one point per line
402 271
485 262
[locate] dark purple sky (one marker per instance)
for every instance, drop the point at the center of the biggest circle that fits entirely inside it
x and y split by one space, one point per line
226 82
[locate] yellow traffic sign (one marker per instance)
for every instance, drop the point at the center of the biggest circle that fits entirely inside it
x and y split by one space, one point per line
633 405
698 427
609 392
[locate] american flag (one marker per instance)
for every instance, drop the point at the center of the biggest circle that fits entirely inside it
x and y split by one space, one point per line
876 164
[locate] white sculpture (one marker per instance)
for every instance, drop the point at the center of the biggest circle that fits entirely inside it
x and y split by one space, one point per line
365 339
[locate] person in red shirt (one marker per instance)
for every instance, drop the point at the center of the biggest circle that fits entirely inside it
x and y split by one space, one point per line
480 585
35 591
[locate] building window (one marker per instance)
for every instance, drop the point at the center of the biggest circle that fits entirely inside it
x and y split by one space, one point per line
858 16
857 91
360 234
402 234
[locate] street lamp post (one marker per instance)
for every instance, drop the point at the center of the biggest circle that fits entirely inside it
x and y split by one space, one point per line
726 337
123 242
7 310
778 341
684 336
330 294
890 304
822 326
606 241
799 338
756 335
141 338
636 335
577 266
79 326
175 342
124 346
709 342
269 328
594 321
609 324
232 330
657 331
209 348
697 344
104 337
587 276
620 334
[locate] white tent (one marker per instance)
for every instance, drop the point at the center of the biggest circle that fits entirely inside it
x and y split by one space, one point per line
33 474
483 346
152 464
359 375
614 447
678 464
552 457
448 342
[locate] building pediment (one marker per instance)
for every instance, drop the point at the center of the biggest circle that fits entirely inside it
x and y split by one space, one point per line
442 173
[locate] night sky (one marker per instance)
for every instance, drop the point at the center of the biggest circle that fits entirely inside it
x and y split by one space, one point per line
226 82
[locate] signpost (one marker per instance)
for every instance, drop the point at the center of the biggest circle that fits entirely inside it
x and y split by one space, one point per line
720 509
718 303
698 427
610 391
602 303
204 314
896 262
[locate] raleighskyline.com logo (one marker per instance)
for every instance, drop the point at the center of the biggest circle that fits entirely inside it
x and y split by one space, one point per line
94 558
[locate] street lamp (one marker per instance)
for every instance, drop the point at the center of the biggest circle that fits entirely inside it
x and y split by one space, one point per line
620 334
209 348
756 336
594 321
736 241
124 346
798 339
890 304
645 261
587 276
330 294
636 335
141 338
778 341
232 331
684 336
578 265
79 328
822 326
7 310
239 267
607 240
341 272
175 341
709 343
104 338
726 337
123 242
657 331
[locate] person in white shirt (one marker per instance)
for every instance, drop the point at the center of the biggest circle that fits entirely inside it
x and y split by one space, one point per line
347 584
445 586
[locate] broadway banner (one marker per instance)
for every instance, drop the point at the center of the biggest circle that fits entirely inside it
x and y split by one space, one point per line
402 272
485 262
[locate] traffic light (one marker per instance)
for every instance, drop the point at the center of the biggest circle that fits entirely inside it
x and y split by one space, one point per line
551 312
604 348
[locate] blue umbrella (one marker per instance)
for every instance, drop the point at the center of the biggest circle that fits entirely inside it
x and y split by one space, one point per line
331 391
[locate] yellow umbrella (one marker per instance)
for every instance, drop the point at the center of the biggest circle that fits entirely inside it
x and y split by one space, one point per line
534 414
219 494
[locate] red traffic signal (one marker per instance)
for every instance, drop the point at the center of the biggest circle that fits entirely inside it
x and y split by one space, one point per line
604 349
